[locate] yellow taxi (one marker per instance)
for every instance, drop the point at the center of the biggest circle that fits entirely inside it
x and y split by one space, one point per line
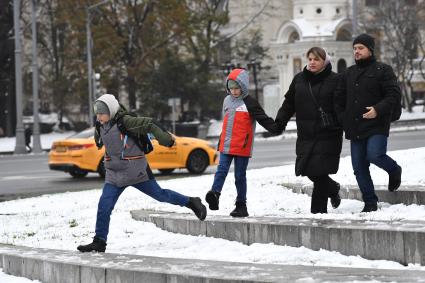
78 155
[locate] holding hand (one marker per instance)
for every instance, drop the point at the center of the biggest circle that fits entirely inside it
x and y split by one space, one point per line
371 114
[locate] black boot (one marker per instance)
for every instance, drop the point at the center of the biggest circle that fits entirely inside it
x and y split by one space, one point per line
240 210
212 198
394 179
319 197
197 207
369 207
98 245
335 197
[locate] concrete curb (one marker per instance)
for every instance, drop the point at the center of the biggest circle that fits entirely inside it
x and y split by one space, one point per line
53 266
403 242
397 126
406 195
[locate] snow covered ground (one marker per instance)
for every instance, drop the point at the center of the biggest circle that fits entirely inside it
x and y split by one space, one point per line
5 278
8 144
63 221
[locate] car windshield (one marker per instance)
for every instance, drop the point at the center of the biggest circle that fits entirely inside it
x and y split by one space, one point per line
84 134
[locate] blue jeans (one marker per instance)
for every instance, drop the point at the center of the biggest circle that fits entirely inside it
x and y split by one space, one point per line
370 150
111 193
241 163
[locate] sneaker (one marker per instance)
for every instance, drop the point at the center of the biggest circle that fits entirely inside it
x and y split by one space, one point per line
369 207
195 204
394 180
212 198
240 210
336 198
98 245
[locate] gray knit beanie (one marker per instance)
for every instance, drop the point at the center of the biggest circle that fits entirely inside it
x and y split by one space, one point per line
232 84
100 107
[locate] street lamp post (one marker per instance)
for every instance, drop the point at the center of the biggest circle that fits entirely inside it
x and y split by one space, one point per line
254 65
89 68
96 85
89 59
173 103
36 124
20 137
354 20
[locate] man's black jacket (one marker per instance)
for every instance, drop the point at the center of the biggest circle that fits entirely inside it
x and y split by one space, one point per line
369 84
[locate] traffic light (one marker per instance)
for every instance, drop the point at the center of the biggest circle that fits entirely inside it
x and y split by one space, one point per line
96 84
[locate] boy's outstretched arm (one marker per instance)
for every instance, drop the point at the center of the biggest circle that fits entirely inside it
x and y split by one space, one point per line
257 112
145 125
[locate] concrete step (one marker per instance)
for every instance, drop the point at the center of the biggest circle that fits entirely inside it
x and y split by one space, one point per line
57 266
405 194
403 242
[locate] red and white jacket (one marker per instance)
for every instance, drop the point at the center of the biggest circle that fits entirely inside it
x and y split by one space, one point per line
239 116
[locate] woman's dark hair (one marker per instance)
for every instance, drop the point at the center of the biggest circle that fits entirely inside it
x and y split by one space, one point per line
318 52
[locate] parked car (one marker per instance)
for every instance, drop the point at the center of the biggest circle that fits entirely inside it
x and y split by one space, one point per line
78 155
48 122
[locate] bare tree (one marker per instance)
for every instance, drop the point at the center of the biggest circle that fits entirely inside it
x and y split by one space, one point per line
56 78
204 20
421 39
399 22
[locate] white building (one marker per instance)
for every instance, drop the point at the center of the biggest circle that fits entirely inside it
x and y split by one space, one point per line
323 23
290 28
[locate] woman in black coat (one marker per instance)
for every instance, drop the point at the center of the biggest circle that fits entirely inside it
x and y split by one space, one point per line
318 145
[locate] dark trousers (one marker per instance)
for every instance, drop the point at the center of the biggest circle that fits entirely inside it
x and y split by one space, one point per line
241 163
323 188
370 150
111 193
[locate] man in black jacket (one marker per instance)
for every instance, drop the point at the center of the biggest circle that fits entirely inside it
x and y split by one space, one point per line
364 100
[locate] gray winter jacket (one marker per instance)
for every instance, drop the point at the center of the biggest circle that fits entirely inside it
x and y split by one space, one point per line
125 162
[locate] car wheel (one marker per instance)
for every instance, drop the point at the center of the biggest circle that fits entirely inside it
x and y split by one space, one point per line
101 169
197 162
78 173
166 171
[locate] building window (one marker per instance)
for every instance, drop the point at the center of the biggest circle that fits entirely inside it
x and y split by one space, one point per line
371 3
343 35
318 10
294 36
342 65
301 11
337 10
297 66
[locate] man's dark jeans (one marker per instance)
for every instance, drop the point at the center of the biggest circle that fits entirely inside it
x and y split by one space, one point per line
365 151
241 163
111 193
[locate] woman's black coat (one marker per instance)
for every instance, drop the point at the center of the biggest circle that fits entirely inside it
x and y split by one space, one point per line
318 150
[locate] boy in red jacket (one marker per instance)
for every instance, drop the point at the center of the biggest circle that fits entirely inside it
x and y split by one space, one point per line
240 111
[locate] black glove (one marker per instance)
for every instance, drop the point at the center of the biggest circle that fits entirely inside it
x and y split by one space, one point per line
172 143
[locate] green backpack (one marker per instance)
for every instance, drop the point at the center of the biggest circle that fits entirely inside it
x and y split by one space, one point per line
142 140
